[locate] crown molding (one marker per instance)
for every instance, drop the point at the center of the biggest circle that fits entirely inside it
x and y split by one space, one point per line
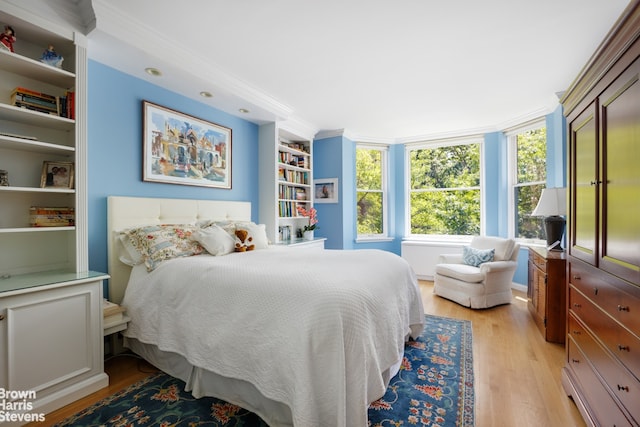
129 30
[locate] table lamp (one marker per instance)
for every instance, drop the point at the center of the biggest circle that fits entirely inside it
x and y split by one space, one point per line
553 204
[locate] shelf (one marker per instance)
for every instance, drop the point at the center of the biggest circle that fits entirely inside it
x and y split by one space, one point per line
22 144
27 67
29 117
35 229
37 190
284 148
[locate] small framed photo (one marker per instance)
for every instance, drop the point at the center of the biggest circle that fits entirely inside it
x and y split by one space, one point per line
57 175
325 190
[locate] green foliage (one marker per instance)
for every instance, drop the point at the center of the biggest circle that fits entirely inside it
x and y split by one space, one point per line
532 170
445 196
369 191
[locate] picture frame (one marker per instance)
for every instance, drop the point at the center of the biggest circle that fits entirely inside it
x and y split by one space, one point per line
325 190
57 175
182 149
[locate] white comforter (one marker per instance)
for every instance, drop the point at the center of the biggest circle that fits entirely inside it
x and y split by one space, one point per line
316 330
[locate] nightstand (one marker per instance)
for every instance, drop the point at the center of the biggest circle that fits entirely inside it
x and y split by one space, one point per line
546 293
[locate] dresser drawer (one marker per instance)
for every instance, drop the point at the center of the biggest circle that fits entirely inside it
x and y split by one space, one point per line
619 380
600 403
538 260
615 296
621 342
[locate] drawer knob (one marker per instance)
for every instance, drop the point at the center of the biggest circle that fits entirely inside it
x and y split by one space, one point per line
595 291
623 388
623 347
576 332
575 360
576 305
576 277
623 307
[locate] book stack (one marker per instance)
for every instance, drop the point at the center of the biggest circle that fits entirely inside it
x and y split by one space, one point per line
51 217
112 313
63 106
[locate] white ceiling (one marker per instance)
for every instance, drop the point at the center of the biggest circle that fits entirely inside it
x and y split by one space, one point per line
379 70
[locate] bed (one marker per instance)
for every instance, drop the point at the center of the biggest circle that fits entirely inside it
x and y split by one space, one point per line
300 337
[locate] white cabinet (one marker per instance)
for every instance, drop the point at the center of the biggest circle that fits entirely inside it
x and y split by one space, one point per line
51 338
286 181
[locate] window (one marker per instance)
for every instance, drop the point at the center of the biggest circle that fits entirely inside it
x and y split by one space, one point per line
528 155
371 183
444 188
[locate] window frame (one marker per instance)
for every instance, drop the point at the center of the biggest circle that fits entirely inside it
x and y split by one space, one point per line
512 180
467 140
384 150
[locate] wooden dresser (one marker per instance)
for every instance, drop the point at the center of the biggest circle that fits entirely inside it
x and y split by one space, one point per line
547 290
602 373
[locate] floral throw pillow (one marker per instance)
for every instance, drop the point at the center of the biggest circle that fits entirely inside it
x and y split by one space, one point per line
475 257
157 243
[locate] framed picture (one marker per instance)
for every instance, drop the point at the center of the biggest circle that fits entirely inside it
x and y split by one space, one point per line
182 149
57 175
325 190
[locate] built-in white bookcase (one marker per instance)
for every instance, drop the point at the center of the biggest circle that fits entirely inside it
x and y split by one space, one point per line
286 181
51 338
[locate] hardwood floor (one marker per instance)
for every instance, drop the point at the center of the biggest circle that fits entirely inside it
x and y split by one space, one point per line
517 373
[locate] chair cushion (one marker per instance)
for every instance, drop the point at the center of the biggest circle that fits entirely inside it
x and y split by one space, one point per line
464 272
503 247
475 257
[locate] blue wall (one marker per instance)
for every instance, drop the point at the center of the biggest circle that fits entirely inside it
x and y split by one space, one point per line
115 150
115 166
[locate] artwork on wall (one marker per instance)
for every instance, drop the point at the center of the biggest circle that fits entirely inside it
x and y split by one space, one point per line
325 190
182 149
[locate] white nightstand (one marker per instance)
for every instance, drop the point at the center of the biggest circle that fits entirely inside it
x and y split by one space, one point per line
117 326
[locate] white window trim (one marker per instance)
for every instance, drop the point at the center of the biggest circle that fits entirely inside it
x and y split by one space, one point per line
384 236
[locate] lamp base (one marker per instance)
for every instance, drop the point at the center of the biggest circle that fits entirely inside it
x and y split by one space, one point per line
554 229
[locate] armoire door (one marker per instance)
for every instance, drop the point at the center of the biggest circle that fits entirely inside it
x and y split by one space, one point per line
584 184
620 206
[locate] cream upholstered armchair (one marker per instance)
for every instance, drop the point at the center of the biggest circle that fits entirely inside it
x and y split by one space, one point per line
481 276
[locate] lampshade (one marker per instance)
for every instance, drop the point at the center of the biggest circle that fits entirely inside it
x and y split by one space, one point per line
552 204
553 201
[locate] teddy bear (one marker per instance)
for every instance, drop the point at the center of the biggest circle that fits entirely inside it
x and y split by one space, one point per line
243 241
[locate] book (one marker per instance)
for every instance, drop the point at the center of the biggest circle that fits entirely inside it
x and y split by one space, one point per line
33 92
111 312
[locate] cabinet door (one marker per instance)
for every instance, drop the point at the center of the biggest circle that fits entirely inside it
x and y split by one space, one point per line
620 118
51 339
583 187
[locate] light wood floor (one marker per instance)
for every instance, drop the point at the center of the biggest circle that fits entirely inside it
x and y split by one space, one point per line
517 373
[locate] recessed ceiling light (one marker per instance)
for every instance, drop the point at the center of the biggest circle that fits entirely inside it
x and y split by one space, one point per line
243 110
153 71
206 94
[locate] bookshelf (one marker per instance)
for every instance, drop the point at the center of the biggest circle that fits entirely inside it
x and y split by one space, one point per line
51 334
286 180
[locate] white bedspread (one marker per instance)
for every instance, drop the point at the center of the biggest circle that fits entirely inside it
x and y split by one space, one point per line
315 330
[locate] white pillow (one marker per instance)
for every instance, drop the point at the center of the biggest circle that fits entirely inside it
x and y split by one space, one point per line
128 254
215 240
257 232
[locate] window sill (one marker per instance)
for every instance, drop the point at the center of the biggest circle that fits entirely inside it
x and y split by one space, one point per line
374 239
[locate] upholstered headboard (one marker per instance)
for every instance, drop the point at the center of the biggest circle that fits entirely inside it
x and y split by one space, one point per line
127 212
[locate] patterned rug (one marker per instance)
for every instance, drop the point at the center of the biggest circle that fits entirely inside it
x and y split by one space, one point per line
434 387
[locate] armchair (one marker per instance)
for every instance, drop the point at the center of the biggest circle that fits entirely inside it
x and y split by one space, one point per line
484 285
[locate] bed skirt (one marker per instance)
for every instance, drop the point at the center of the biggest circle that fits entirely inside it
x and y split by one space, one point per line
201 382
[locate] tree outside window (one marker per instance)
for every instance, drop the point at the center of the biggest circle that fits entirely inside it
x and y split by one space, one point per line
530 149
444 192
370 188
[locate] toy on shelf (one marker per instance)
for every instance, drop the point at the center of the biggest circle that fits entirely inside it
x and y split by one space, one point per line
50 57
8 38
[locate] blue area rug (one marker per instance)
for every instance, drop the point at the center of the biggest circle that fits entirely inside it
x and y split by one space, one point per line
434 387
